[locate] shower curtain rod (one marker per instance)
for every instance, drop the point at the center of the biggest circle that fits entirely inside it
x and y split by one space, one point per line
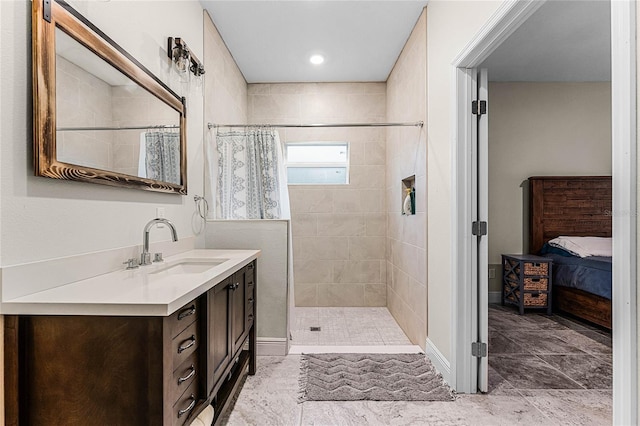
413 124
82 129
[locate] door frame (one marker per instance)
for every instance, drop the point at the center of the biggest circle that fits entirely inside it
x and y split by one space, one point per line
509 16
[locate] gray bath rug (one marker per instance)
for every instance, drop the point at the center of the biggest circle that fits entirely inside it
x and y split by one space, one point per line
373 377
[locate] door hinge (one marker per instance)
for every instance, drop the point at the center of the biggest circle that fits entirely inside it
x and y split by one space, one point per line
479 349
482 110
479 228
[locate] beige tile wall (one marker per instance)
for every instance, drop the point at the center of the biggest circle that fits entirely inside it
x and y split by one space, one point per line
338 230
225 86
134 106
83 101
407 156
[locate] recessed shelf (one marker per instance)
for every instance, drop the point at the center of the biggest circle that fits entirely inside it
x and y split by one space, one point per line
408 206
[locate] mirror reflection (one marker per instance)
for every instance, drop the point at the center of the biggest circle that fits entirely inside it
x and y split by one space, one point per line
106 121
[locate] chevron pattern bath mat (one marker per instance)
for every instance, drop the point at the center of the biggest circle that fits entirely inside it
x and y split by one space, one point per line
373 377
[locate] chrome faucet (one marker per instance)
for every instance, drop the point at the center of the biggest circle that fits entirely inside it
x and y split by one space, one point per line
145 257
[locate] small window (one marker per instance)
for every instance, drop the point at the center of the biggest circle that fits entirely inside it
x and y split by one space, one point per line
317 163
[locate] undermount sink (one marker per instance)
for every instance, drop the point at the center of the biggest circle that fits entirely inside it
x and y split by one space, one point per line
189 266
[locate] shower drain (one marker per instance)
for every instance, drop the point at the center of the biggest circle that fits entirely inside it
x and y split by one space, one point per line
315 328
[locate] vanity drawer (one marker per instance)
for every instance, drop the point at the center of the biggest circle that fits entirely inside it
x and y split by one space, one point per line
183 317
185 344
185 405
183 376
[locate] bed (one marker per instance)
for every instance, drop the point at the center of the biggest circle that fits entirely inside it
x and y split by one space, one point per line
574 206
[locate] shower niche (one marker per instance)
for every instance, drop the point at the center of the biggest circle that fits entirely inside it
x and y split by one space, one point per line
408 199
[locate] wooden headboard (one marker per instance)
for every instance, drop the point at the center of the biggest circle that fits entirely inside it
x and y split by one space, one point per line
577 206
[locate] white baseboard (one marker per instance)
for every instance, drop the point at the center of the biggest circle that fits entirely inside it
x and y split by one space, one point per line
271 346
439 361
494 297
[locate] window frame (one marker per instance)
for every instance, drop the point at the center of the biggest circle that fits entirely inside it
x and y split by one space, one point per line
346 165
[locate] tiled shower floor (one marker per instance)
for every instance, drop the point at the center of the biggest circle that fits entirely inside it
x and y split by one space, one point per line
346 327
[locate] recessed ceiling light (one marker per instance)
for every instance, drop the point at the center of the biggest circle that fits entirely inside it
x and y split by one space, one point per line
316 59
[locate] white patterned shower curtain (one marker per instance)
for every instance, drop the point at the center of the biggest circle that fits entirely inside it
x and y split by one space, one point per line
161 153
248 178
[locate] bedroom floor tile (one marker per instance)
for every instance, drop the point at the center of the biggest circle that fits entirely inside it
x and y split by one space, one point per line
498 385
571 323
541 342
544 322
567 355
530 372
587 370
500 344
587 341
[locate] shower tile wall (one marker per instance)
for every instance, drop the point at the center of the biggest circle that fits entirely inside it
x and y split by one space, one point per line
339 231
134 106
225 88
95 102
407 156
88 104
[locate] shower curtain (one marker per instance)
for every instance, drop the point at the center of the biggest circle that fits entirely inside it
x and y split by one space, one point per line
248 179
161 156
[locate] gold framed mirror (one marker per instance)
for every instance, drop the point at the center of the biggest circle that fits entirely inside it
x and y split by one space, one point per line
98 114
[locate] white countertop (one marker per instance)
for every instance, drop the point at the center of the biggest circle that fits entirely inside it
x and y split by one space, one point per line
138 292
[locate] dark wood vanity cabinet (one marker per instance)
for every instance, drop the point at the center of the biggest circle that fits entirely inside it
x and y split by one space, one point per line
233 314
124 370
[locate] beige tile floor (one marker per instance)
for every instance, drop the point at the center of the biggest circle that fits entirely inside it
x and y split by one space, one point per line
346 327
271 398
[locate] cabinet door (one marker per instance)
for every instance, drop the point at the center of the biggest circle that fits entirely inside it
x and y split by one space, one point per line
239 327
219 351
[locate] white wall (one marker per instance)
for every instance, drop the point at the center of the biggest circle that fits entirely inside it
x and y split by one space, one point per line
43 218
450 26
561 129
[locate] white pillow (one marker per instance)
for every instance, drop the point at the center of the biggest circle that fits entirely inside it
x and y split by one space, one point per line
584 246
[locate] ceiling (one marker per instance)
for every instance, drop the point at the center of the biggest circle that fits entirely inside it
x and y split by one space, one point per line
272 41
562 41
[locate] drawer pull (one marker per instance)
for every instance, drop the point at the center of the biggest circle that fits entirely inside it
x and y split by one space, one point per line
250 266
187 312
234 286
188 345
250 300
192 373
250 316
189 408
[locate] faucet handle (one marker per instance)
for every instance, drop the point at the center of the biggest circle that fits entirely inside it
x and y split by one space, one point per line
131 263
157 257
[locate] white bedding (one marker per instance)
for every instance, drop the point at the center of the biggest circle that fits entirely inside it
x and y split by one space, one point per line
584 246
